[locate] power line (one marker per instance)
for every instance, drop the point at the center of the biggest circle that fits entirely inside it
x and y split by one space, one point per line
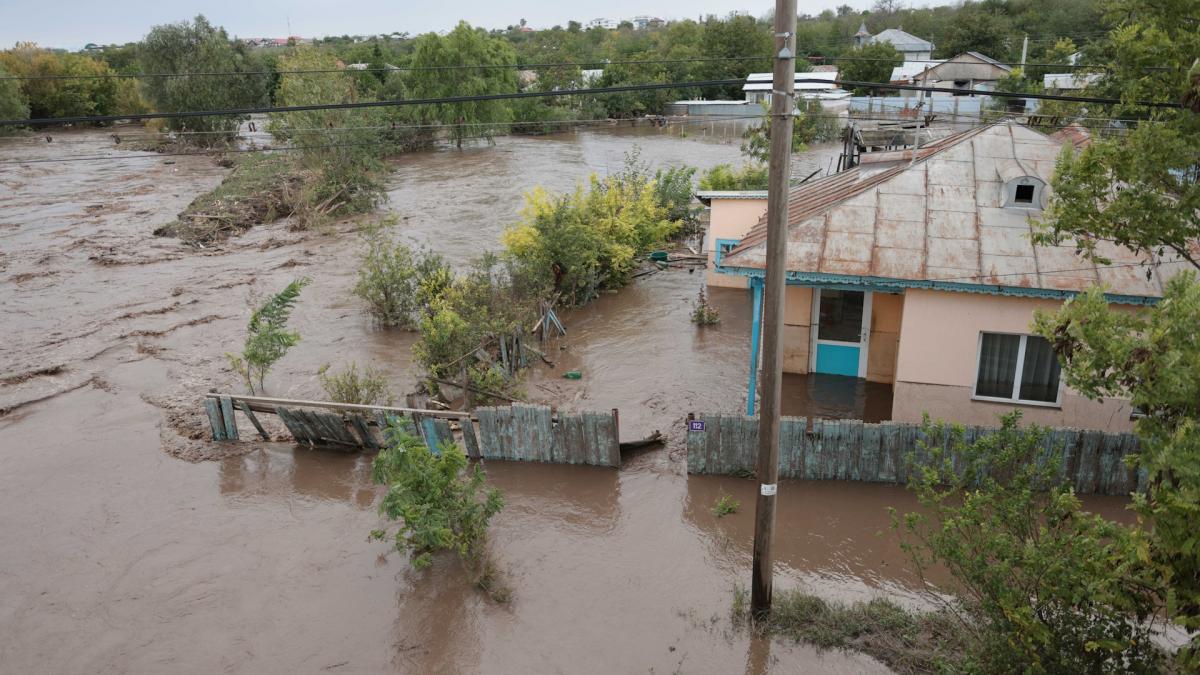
547 94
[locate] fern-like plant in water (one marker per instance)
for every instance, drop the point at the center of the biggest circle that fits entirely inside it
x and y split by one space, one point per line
267 336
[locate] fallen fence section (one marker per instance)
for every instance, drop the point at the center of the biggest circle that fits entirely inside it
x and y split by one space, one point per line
521 432
1092 461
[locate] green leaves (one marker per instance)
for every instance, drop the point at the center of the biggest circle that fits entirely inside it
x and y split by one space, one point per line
1153 358
1044 585
397 283
267 338
438 503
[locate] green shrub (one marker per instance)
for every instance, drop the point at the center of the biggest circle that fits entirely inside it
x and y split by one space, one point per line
267 337
13 105
725 505
395 282
459 332
349 386
1044 585
704 314
437 503
580 243
725 177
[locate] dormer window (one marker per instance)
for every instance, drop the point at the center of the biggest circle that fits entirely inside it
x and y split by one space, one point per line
1024 193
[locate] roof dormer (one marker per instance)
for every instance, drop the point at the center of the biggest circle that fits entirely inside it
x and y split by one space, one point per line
1024 192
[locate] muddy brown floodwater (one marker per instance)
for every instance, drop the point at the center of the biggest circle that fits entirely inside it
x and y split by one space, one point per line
116 556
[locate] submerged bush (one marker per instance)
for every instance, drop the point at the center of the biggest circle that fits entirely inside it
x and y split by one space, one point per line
580 243
395 282
349 386
437 503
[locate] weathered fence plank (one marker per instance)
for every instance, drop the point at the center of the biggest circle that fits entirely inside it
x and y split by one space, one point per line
1092 461
231 430
253 420
214 419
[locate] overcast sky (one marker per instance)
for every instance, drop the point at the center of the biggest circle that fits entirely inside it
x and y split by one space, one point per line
74 23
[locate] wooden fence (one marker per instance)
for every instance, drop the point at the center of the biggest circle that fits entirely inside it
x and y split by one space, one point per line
1092 461
522 432
530 433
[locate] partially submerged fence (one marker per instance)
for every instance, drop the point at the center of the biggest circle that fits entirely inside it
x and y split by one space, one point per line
521 432
1092 461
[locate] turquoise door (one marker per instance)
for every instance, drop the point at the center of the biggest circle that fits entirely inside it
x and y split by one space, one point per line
841 328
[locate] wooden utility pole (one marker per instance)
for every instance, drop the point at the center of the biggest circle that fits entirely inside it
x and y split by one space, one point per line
782 104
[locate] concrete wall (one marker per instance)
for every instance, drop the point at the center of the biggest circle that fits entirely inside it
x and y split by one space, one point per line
937 361
730 219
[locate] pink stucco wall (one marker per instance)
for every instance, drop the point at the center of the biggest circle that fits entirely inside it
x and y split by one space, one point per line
937 362
730 219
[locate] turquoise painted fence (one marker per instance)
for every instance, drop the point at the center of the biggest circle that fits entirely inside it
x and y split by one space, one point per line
530 433
853 450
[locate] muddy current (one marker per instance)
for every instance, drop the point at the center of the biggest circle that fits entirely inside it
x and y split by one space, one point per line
117 554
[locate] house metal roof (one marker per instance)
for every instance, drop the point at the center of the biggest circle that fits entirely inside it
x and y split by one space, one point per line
905 42
940 222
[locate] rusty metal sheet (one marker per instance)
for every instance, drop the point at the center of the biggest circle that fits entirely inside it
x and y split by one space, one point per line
1007 241
909 234
952 225
956 253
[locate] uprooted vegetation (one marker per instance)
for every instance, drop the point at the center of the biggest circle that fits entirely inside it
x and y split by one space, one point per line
260 189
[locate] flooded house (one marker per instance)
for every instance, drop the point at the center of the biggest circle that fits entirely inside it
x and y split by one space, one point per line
915 269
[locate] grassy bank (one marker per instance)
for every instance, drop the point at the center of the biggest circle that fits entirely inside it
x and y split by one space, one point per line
906 642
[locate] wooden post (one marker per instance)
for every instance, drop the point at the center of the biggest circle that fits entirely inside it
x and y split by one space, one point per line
784 82
614 457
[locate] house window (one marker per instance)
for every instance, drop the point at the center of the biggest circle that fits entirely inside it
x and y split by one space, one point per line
1024 193
724 246
1018 369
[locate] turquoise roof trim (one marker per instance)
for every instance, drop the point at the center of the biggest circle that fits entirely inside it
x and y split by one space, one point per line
889 285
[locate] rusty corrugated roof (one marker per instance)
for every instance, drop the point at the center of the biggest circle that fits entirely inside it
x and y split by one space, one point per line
944 218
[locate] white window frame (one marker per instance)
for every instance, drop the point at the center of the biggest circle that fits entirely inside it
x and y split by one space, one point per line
1020 368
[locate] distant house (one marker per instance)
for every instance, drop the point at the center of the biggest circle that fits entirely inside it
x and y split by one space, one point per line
758 85
912 47
968 72
644 22
588 77
918 272
609 24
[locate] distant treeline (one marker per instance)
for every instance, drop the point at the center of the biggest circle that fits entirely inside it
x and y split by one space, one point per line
679 51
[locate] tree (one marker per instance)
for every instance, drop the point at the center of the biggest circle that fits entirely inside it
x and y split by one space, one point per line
12 102
1043 585
51 88
341 156
464 46
267 336
1152 357
178 49
976 28
881 57
1140 189
810 124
